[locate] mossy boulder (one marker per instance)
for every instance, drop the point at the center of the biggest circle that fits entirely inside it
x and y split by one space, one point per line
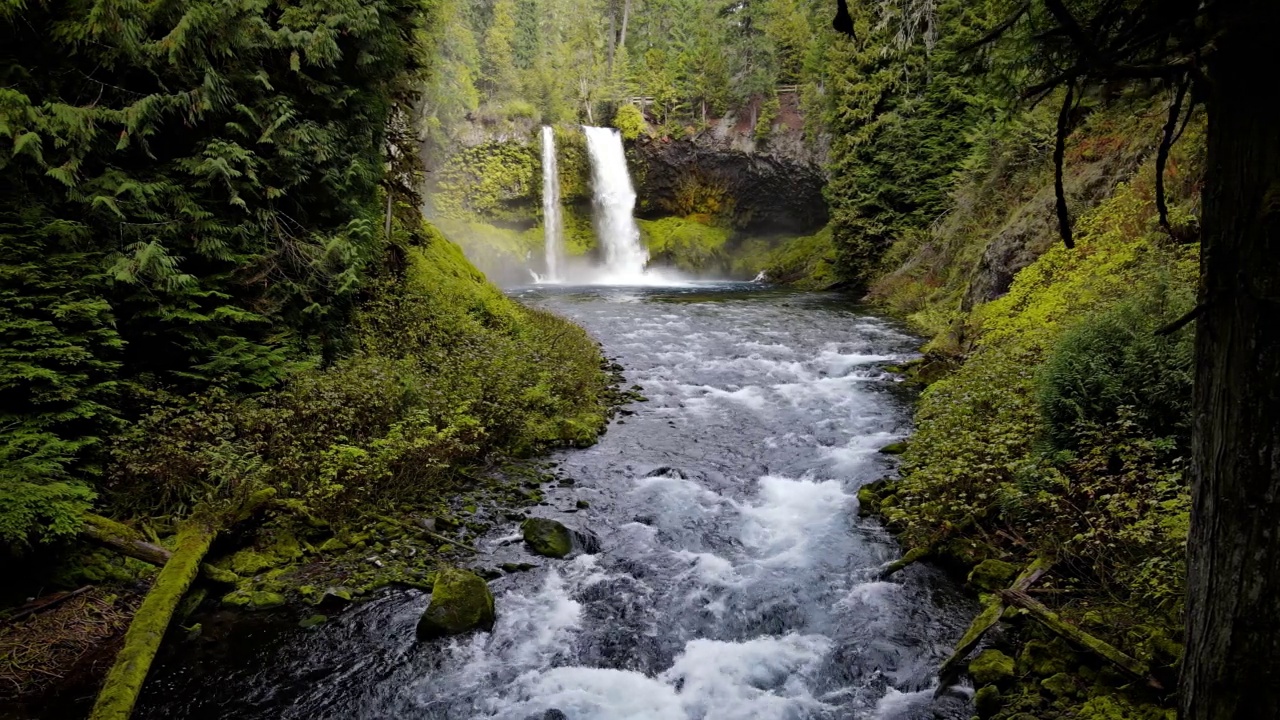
992 575
1059 685
1045 659
987 701
991 667
460 601
547 537
250 562
255 600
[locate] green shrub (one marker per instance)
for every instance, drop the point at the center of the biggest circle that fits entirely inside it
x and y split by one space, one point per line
769 110
629 121
448 371
1116 360
521 110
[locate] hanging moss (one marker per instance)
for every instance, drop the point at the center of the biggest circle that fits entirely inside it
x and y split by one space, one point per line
493 181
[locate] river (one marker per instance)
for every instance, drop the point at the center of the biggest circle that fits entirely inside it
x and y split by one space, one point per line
735 580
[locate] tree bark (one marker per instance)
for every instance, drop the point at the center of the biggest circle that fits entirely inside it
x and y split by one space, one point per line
626 15
1232 664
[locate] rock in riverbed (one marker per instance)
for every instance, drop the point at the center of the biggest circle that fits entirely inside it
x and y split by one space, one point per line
460 601
547 537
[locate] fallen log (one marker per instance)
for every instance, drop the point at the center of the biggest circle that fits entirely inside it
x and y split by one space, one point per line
129 542
986 620
42 604
913 555
1131 666
146 631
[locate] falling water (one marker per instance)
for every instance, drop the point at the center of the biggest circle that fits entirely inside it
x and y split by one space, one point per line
624 256
552 225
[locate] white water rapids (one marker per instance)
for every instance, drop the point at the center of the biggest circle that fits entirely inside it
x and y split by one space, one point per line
734 581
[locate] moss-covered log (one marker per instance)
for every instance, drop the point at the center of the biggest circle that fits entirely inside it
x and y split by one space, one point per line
912 556
130 543
124 681
123 539
987 619
1131 666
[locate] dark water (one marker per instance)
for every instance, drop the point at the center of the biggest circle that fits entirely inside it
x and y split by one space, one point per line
735 579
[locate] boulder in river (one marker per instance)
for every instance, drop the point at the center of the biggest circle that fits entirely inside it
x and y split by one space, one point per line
460 601
547 537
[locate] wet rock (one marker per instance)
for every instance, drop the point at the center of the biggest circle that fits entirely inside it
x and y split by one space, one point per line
313 620
517 567
992 575
991 667
665 471
547 537
586 541
460 601
488 573
987 701
334 597
582 504
552 714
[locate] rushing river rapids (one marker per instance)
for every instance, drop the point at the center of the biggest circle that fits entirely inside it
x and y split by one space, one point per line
734 581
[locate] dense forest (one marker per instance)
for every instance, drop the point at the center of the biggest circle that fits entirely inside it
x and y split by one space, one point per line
244 342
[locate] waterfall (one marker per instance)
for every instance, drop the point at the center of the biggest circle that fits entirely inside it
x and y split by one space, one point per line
552 225
614 198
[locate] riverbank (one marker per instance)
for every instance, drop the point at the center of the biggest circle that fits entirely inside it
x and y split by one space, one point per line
375 470
1054 427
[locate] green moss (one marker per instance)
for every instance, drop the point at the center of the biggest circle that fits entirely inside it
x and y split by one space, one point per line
493 181
1046 659
332 545
991 666
312 621
1115 707
249 562
987 701
1060 685
992 575
547 537
265 600
686 245
894 448
460 601
805 262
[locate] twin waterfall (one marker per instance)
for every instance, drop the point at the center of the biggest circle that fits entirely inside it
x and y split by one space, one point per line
552 224
613 200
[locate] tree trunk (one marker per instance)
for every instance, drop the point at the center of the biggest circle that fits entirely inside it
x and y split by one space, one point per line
626 15
1232 664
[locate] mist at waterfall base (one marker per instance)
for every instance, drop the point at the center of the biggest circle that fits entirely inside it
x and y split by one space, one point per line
623 259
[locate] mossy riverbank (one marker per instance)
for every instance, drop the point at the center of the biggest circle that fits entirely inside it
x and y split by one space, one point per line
1054 424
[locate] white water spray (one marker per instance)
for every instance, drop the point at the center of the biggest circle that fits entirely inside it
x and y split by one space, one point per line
552 225
615 199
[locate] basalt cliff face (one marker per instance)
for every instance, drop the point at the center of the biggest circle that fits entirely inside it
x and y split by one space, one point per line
756 183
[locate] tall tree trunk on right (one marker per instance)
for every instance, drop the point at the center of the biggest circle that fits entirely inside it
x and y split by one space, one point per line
1232 665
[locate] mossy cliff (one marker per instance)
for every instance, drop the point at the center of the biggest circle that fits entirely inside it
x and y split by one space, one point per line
1058 427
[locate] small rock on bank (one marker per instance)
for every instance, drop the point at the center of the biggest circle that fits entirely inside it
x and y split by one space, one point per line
460 601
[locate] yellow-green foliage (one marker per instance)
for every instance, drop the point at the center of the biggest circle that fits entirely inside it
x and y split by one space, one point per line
1117 505
629 121
687 245
448 370
573 164
493 181
1006 187
804 262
